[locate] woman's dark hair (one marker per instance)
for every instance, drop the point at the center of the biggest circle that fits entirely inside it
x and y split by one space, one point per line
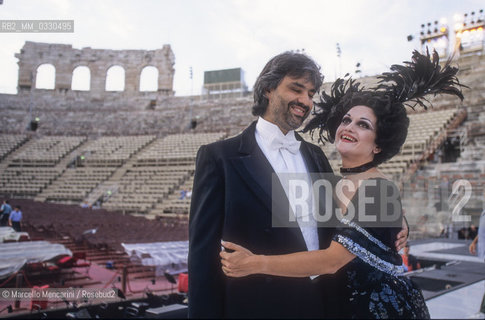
407 83
391 125
289 63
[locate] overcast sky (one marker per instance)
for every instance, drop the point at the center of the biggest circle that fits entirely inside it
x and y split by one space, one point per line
220 34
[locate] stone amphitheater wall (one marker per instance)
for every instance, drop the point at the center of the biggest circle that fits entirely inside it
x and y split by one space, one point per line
65 59
99 112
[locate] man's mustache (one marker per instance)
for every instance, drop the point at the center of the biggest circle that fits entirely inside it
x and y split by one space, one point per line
305 107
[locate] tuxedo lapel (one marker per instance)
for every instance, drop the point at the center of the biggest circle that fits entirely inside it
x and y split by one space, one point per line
308 155
253 167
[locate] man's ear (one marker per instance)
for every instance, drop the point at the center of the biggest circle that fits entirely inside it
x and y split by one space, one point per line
267 93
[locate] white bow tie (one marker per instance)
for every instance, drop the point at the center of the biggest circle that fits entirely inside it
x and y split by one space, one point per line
279 142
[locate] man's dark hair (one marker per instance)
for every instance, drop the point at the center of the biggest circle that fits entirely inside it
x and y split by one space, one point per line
288 63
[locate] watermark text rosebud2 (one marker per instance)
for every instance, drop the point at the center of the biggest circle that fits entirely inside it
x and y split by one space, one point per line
320 200
460 195
59 294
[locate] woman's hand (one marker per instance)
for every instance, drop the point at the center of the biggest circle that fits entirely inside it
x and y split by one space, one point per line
402 236
239 262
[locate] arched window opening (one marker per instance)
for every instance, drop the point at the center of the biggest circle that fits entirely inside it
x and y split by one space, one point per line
81 78
115 79
46 77
149 79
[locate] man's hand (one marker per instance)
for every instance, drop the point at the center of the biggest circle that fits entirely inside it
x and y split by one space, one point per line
402 236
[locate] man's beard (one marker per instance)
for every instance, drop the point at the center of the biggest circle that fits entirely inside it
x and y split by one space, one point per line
283 116
294 121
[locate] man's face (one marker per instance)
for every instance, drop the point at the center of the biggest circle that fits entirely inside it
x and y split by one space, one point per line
290 103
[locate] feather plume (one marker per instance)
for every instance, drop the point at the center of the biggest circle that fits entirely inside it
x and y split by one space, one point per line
422 76
409 82
330 107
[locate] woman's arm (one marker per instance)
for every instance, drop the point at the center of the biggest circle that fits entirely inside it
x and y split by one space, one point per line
243 262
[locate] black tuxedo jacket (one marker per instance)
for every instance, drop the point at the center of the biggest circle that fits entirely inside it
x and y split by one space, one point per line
232 200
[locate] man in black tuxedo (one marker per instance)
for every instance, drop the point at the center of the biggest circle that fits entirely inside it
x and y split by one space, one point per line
232 200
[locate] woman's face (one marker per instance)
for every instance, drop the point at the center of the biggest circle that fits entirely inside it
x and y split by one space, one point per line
356 135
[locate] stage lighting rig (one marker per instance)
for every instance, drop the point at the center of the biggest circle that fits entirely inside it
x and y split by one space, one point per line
434 36
469 33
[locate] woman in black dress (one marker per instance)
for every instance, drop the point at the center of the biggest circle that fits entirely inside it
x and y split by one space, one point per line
368 128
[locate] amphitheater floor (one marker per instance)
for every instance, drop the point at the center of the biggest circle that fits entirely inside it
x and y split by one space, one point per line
452 280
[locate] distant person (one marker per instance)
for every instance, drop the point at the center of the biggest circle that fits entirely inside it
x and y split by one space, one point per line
85 205
5 211
478 247
467 233
409 261
472 232
15 219
444 190
183 193
188 194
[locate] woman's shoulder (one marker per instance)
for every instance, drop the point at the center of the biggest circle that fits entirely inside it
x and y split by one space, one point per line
377 174
380 180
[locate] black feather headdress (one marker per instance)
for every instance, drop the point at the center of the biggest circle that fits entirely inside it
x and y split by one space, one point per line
422 76
328 108
405 84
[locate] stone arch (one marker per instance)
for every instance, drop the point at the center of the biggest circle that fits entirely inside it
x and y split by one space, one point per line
149 79
45 76
115 78
65 58
81 78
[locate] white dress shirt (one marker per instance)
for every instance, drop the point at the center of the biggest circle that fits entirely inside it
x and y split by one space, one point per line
283 162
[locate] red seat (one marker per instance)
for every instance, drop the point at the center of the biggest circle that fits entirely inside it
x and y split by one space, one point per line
38 304
65 262
52 267
183 282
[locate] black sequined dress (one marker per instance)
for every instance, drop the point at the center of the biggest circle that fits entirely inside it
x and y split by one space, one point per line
373 285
